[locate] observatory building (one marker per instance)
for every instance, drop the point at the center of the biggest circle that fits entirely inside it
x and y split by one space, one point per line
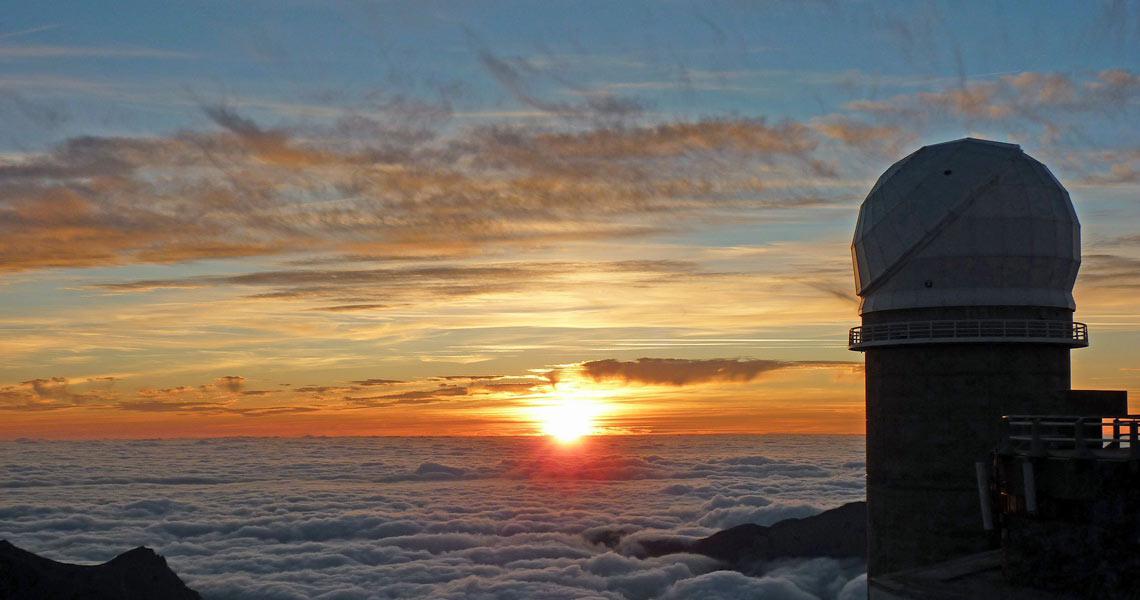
965 254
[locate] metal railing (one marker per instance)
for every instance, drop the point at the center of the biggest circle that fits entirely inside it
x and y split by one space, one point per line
1070 333
1071 436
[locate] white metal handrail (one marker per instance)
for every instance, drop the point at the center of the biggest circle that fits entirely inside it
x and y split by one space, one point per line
1070 333
1071 436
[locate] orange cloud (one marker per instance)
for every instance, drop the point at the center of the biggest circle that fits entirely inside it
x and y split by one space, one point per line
42 394
1043 99
682 371
885 140
249 190
230 383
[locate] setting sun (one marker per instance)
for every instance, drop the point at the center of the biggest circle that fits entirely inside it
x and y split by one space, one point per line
568 420
570 413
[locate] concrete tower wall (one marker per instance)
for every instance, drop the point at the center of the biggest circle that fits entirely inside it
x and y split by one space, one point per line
932 412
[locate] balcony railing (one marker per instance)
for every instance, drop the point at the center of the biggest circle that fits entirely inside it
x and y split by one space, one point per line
1059 436
1068 333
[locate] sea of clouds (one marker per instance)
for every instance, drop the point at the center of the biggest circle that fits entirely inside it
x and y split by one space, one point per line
500 518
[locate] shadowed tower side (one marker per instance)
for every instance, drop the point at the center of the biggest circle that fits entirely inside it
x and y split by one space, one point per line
965 255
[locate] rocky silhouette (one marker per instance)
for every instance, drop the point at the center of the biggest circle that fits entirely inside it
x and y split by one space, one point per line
139 574
837 533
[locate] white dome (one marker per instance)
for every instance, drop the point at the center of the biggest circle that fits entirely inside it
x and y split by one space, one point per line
966 223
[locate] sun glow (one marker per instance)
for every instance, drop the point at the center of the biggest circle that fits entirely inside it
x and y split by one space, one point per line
569 415
567 421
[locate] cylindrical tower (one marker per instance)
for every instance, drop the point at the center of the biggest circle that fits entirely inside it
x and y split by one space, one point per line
965 256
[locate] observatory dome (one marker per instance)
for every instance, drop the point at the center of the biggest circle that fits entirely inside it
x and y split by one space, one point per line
966 223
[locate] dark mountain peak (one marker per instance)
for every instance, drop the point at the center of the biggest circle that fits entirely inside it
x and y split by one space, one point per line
837 533
137 574
7 548
139 555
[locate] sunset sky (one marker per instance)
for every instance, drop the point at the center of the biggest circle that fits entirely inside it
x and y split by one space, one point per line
454 218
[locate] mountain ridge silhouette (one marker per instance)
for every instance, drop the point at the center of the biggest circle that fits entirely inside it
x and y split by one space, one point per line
137 574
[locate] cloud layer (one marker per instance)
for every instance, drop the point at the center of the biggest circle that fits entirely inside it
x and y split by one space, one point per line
403 178
438 517
380 184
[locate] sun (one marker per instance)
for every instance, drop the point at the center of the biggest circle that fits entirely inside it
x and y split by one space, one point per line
568 419
570 412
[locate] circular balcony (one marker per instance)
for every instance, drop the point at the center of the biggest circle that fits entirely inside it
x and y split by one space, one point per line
973 331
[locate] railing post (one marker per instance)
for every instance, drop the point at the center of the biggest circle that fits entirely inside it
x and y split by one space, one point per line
1133 440
1029 481
981 470
1116 432
1081 447
1006 446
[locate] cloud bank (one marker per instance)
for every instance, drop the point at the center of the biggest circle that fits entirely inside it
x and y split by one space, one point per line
432 517
382 184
